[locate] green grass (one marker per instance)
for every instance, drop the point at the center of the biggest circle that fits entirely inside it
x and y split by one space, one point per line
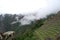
50 29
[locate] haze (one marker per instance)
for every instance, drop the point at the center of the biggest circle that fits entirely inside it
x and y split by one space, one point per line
21 6
34 9
28 6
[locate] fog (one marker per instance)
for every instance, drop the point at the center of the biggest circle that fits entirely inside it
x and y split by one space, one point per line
52 7
33 10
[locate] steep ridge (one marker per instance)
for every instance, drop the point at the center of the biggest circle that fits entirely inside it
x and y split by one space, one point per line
50 29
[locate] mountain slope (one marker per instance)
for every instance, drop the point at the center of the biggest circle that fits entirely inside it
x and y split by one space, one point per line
50 29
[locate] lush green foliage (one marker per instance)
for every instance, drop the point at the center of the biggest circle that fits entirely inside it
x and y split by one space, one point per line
46 28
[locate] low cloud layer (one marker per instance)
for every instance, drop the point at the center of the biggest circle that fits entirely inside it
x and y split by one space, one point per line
52 7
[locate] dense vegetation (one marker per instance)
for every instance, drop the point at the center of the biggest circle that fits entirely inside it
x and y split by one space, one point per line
44 29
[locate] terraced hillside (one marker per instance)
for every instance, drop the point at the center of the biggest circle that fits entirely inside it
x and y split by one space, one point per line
50 29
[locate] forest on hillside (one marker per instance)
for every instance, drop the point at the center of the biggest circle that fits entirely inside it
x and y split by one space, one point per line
26 32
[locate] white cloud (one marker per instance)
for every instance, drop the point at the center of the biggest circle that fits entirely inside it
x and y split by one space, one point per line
21 6
41 7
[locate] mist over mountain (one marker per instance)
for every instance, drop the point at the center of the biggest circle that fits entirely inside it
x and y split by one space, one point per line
30 19
51 7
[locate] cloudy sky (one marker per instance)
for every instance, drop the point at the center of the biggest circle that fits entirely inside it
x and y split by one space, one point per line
27 6
40 8
21 6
